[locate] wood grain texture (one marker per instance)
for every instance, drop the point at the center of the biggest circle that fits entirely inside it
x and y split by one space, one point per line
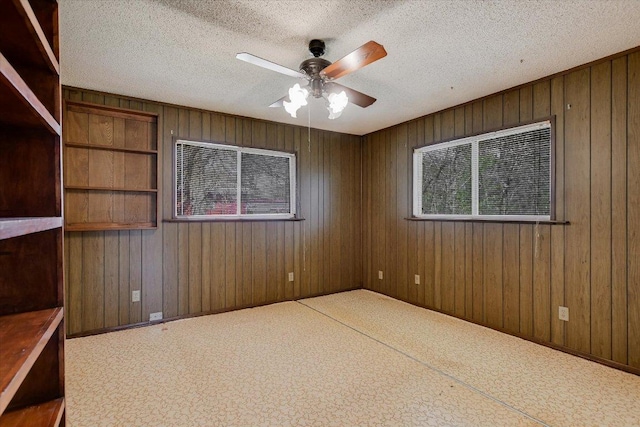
619 205
577 196
184 269
558 233
509 276
633 200
517 275
601 210
110 152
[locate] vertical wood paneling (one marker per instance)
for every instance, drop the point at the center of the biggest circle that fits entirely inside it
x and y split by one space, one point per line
515 276
111 279
633 200
619 210
492 275
289 236
541 282
152 239
390 225
459 269
194 230
124 288
512 276
188 268
601 210
478 281
183 235
73 244
93 280
135 274
402 212
526 280
557 233
208 270
169 230
577 201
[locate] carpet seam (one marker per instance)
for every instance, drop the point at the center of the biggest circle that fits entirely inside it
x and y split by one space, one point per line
433 368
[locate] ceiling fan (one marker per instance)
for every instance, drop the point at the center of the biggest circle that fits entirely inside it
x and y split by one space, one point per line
321 75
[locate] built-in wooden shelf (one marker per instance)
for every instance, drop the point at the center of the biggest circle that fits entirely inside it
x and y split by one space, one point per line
98 226
41 415
28 44
23 336
31 252
117 188
14 227
19 106
110 148
129 190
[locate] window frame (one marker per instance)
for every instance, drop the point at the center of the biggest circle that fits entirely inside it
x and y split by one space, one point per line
474 140
292 156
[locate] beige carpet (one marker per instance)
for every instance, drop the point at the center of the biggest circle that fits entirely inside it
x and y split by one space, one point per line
349 359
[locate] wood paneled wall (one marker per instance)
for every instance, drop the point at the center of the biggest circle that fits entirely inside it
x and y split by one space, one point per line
514 276
189 268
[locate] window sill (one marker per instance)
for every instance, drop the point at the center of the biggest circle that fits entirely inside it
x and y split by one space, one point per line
233 220
498 221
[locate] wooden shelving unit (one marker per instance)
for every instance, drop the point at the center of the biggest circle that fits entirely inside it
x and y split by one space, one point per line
43 414
15 227
111 178
31 264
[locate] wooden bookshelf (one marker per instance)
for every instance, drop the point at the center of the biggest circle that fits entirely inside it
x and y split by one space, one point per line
31 254
19 104
14 227
111 181
39 415
23 336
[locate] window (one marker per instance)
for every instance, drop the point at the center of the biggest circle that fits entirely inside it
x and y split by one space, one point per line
499 175
225 181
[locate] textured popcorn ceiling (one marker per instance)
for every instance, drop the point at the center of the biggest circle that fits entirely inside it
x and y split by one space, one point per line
440 53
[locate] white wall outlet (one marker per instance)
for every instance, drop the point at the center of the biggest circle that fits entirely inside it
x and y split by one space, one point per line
563 313
380 274
416 279
135 296
155 316
291 276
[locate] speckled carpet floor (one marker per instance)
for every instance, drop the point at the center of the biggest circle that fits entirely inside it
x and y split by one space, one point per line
350 359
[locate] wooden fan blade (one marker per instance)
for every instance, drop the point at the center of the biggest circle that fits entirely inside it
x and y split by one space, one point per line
252 59
361 57
355 97
279 102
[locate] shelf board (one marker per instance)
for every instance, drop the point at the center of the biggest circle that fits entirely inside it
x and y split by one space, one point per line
132 190
110 148
18 19
14 227
41 415
19 106
102 226
23 336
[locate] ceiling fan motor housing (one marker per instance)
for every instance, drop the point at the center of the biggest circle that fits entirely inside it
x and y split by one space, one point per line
316 47
312 67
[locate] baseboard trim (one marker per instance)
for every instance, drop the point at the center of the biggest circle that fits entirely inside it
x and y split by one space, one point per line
587 356
203 313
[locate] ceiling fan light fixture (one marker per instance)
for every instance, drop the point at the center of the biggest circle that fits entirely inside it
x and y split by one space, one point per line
337 104
298 98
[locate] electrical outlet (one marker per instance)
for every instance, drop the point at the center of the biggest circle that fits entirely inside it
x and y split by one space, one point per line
416 279
380 274
135 296
155 316
291 277
563 313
